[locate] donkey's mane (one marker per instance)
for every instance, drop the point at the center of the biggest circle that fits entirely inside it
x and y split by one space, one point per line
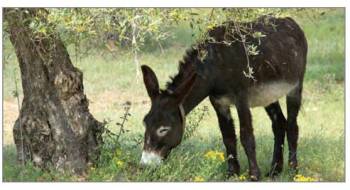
187 66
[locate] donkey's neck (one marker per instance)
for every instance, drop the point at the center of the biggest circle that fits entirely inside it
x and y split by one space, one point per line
192 63
196 95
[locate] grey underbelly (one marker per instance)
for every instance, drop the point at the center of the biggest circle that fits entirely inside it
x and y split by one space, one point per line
262 95
265 94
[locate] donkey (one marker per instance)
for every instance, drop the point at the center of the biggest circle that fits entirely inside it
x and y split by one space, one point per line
229 75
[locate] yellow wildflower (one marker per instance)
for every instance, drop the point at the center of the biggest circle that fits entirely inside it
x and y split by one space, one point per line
301 178
80 28
221 156
119 163
215 155
198 179
210 26
242 178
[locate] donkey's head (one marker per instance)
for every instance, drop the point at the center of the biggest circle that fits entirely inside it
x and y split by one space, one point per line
165 122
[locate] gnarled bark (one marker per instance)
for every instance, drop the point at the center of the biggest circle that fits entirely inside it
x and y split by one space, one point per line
54 126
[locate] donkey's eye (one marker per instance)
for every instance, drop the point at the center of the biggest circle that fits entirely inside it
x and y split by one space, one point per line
163 130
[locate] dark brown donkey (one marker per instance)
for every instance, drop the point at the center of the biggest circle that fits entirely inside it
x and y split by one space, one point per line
219 69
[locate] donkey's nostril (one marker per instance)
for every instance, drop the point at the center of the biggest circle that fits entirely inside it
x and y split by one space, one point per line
150 158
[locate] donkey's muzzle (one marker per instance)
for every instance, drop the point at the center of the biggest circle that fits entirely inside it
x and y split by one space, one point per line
150 158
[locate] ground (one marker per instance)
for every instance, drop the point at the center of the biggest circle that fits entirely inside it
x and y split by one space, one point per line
111 81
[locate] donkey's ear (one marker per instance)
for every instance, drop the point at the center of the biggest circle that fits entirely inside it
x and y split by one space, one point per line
151 81
182 91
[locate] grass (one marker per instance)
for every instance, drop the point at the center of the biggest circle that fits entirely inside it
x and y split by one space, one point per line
110 81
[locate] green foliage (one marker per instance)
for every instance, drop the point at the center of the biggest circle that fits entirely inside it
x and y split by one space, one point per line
96 25
107 29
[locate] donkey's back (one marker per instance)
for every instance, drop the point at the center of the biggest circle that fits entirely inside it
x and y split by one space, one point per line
276 49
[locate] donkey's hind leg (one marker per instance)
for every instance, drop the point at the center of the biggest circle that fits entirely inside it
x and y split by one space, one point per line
279 124
293 107
228 134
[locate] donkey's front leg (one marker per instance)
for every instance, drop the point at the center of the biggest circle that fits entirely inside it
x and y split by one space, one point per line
228 134
247 137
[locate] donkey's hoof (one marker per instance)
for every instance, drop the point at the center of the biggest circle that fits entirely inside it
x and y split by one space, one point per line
293 165
293 168
275 171
254 178
232 173
272 174
255 175
233 169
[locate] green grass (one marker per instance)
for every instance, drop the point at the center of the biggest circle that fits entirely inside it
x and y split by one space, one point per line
111 80
326 47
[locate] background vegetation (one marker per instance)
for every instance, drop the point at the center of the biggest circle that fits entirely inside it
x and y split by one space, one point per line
107 54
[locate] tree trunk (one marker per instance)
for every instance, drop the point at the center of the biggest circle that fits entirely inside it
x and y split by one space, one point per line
54 127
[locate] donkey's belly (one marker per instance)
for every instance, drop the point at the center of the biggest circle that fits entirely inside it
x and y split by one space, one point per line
265 94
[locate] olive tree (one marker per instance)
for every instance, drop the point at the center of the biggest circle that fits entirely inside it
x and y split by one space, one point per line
54 126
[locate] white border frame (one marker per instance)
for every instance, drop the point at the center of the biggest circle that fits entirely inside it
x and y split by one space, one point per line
189 3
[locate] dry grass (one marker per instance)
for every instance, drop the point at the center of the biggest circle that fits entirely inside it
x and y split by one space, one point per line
10 112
